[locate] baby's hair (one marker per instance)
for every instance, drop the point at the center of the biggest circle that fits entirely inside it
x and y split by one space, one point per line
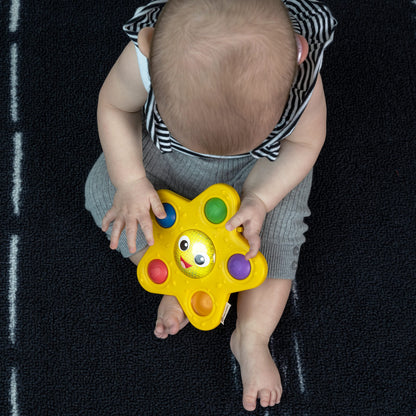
222 70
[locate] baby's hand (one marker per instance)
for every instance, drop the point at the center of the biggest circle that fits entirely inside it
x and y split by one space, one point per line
251 216
131 206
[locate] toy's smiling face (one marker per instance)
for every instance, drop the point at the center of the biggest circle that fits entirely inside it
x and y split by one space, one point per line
195 253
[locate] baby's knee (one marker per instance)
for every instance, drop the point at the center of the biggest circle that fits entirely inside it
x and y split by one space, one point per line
99 191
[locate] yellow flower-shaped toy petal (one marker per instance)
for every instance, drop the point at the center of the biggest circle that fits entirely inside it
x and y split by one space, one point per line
196 259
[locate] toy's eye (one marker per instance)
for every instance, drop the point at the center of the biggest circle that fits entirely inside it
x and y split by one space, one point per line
201 260
184 243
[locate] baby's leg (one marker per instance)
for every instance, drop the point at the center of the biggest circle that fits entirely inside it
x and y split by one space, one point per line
170 316
258 313
99 196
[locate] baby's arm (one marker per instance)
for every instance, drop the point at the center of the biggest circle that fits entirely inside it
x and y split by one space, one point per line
121 99
269 182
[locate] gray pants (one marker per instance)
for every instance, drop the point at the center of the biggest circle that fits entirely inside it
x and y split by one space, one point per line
283 230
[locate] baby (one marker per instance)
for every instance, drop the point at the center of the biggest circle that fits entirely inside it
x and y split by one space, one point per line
221 83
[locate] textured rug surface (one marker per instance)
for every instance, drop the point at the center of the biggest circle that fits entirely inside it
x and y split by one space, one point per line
75 326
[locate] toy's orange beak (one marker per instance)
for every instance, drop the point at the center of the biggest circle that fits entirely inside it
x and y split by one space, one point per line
184 264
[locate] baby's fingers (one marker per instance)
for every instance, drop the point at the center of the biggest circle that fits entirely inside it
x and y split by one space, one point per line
109 217
118 226
251 233
254 243
234 222
131 234
147 227
157 206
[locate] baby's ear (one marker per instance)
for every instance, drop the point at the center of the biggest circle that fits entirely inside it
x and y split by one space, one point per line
303 48
144 40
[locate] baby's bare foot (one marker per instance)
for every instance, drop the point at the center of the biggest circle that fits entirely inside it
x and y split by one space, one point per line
259 373
170 318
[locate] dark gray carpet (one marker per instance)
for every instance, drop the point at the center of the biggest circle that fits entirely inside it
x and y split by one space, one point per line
76 328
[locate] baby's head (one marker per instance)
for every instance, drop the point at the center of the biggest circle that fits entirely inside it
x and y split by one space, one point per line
222 70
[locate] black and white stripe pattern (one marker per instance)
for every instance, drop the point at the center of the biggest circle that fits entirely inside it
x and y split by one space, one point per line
310 18
145 16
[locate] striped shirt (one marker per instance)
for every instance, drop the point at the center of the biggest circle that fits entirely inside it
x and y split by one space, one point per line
310 18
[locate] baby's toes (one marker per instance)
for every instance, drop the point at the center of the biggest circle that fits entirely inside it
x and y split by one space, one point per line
272 398
275 397
160 331
265 396
250 399
172 325
279 392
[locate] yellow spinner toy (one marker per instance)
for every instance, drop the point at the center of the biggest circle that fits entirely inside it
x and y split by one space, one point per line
196 259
